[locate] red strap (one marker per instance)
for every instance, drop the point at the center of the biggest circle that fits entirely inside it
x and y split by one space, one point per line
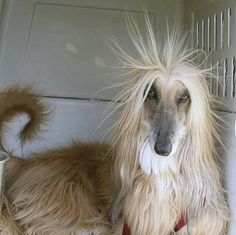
182 222
126 230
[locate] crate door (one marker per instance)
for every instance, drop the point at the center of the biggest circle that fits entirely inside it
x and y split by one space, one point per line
214 25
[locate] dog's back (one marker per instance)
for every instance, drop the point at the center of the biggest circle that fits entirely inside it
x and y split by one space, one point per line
63 191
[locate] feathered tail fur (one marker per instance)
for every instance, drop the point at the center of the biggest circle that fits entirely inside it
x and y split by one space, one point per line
22 99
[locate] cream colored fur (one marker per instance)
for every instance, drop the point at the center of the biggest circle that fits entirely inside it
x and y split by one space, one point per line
90 189
65 191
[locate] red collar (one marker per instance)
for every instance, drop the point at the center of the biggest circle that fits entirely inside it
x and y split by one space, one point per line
182 222
126 230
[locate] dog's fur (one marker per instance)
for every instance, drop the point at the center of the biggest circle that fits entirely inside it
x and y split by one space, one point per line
85 189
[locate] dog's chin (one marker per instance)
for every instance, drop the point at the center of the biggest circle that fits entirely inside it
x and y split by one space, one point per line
153 163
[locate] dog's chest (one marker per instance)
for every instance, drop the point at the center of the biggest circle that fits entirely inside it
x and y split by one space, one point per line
159 199
167 184
160 193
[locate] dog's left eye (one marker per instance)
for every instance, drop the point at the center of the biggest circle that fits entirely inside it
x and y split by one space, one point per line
151 94
184 98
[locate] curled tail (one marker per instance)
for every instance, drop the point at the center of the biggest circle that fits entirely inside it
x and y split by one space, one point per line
16 100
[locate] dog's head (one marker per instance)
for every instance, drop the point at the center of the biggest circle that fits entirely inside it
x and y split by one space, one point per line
166 111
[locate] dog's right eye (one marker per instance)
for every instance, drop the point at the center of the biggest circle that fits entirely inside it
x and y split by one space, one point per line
151 94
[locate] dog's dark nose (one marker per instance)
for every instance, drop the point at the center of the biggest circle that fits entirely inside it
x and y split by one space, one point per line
163 149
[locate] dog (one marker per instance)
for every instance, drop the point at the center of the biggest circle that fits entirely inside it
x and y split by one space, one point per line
161 165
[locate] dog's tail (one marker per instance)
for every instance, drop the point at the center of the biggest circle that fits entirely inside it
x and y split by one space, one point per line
22 99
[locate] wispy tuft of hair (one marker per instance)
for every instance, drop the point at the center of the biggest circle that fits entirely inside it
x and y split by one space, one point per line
16 100
172 60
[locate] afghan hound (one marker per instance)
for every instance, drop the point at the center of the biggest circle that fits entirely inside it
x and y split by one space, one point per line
161 165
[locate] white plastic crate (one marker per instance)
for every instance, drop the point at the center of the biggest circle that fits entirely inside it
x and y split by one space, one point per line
23 35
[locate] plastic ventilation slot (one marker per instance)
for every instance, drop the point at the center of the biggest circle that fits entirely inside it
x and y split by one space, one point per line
209 79
220 79
229 27
197 31
203 34
233 77
217 90
211 84
215 32
221 29
209 34
225 78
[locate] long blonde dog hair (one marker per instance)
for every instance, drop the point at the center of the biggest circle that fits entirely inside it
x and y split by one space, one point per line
198 151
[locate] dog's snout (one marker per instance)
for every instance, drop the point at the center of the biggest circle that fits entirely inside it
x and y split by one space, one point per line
163 149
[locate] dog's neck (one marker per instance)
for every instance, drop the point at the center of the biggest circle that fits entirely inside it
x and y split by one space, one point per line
151 163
